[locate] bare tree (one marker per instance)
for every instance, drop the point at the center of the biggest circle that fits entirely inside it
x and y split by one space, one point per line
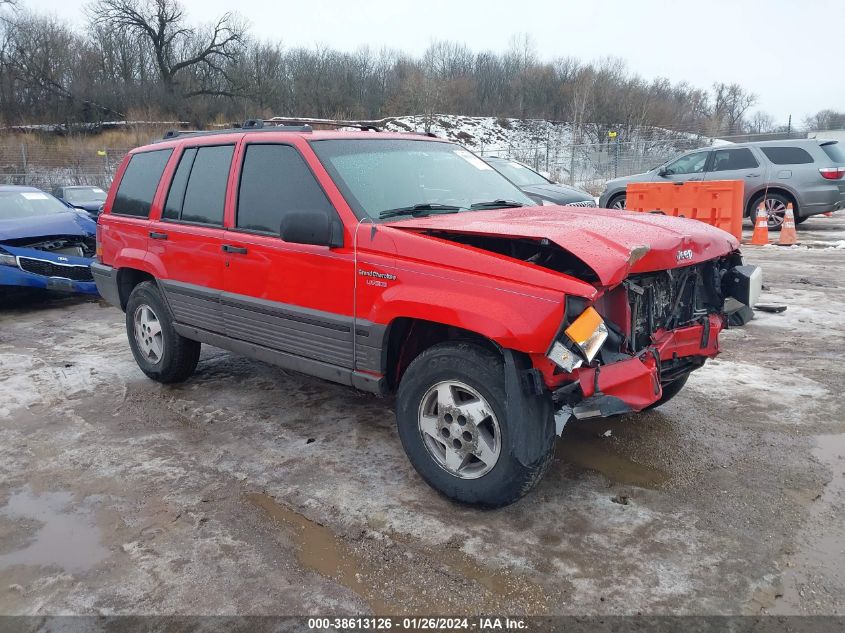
730 103
825 120
760 123
190 61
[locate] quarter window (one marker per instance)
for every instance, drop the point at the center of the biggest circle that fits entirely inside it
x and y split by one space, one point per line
834 152
787 155
139 183
730 159
198 190
275 180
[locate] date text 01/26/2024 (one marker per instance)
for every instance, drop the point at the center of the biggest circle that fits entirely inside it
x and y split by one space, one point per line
417 624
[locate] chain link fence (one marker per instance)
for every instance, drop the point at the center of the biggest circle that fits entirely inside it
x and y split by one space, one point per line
47 167
590 165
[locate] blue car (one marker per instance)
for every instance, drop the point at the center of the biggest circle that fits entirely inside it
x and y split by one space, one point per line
43 244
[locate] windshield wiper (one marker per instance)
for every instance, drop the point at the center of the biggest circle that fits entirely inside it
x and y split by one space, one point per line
418 210
496 204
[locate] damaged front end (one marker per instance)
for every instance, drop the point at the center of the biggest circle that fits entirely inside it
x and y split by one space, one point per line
59 262
654 328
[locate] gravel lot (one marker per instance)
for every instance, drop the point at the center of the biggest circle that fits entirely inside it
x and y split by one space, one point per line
251 490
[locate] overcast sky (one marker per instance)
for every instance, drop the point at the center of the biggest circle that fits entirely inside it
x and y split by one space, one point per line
788 52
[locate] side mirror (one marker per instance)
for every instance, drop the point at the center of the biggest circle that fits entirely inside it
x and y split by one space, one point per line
311 227
663 172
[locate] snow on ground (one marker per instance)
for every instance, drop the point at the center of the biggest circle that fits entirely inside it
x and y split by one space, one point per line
743 384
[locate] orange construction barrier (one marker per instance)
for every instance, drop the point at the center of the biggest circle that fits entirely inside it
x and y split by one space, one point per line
760 237
788 237
716 202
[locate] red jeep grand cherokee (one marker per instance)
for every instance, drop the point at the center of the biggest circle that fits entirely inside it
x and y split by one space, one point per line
396 262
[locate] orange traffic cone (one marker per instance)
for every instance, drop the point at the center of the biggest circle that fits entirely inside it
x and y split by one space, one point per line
761 227
787 229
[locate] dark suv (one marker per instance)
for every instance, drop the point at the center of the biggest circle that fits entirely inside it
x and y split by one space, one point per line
403 263
810 174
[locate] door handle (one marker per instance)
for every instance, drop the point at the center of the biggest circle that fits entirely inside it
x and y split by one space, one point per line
158 236
228 248
751 175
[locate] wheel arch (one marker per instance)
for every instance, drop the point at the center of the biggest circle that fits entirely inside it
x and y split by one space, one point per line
408 337
756 196
127 279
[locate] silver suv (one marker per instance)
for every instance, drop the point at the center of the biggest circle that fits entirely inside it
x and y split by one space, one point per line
808 173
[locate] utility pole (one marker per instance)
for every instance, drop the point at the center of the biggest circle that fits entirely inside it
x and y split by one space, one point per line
789 126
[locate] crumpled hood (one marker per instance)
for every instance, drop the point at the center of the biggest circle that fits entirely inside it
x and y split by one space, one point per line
70 223
609 242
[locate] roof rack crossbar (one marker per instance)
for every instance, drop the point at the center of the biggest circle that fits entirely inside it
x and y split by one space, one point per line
172 134
367 127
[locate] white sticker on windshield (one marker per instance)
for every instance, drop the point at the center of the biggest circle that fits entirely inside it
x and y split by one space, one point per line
472 159
34 195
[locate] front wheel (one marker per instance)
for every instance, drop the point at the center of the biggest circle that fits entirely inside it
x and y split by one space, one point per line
670 390
160 352
617 202
451 416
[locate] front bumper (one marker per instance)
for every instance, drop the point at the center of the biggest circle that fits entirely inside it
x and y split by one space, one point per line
11 276
635 383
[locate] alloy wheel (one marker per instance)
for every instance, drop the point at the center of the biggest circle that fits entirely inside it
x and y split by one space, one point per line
459 429
148 334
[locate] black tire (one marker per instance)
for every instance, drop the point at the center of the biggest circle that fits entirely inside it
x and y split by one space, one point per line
179 355
670 390
617 199
482 370
779 201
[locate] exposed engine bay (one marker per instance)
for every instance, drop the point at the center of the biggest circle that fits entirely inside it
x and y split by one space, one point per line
542 252
73 245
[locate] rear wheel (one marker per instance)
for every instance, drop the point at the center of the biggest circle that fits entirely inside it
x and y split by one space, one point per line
160 352
451 415
775 205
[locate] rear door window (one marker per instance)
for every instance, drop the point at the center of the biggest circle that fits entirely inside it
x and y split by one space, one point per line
198 190
787 155
275 180
731 159
834 152
139 183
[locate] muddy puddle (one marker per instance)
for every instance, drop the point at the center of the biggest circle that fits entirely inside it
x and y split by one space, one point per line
820 553
66 538
322 551
585 449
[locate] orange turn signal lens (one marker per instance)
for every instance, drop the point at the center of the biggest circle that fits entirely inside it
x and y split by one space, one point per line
588 332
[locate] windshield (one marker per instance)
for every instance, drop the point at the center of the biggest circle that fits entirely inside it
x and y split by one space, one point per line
85 194
389 177
518 174
27 204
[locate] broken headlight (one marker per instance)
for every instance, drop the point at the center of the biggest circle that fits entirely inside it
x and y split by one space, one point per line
7 259
588 332
563 358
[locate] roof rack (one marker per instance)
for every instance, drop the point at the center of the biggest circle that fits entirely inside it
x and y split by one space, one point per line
251 125
284 124
367 126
